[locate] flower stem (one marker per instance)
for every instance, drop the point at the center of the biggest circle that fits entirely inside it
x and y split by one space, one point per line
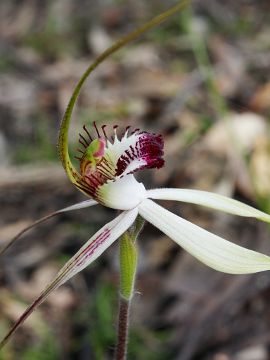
123 323
128 267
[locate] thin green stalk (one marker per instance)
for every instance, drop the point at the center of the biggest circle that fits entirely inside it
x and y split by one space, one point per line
128 267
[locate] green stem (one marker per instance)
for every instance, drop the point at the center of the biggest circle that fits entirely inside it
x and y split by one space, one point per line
128 267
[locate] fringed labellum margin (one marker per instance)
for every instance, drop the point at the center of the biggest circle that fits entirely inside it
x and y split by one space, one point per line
107 165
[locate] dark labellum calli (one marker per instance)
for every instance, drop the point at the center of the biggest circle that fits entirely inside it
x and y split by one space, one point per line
104 163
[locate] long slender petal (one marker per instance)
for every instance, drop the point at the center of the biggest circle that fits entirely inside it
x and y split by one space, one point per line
93 248
81 205
211 249
214 201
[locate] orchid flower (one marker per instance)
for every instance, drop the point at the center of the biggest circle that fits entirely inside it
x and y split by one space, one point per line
106 176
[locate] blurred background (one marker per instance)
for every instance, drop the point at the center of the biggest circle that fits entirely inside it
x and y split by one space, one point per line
202 81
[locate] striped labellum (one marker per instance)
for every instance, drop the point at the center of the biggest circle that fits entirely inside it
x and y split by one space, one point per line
107 165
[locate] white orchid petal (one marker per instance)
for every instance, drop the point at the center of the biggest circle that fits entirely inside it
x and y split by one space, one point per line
80 205
125 193
97 244
84 257
214 201
210 249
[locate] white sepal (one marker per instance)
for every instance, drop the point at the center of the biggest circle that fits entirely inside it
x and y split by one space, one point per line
81 205
212 200
210 249
97 244
94 247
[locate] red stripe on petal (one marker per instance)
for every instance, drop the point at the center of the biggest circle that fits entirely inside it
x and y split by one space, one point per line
90 249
